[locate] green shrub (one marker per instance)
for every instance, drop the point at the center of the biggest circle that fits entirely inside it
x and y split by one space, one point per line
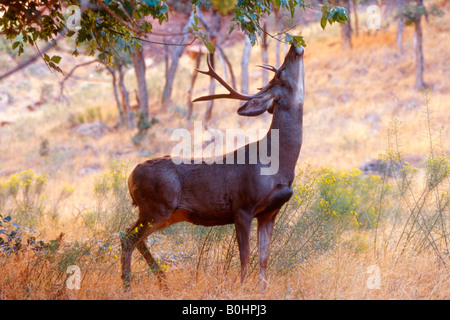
325 203
114 210
22 197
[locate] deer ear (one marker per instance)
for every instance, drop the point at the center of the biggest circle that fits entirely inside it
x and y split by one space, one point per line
256 105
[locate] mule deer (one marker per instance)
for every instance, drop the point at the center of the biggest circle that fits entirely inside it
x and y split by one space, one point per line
219 194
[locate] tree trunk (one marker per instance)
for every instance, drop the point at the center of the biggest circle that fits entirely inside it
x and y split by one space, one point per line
116 94
401 24
244 65
228 64
213 29
172 70
346 28
355 14
210 104
139 69
191 88
420 84
125 97
264 56
277 44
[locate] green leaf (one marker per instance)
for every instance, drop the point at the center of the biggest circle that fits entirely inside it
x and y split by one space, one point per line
323 21
152 3
208 45
56 59
231 28
288 38
277 3
295 40
16 44
299 41
146 26
129 8
54 66
46 57
164 8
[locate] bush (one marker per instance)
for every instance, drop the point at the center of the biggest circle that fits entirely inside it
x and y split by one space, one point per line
349 195
114 209
325 203
22 197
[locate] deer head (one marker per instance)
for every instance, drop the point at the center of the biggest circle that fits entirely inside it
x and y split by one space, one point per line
285 90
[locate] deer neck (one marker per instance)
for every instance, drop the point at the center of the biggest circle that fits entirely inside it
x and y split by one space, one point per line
289 123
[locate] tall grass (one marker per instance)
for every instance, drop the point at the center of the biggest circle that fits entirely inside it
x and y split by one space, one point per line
114 210
423 204
402 212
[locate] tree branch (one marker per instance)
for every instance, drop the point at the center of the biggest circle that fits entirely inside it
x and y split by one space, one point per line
33 58
40 53
69 74
119 19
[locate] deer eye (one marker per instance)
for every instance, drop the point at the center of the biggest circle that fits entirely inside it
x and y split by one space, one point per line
280 73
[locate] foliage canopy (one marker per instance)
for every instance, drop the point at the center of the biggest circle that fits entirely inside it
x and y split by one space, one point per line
108 28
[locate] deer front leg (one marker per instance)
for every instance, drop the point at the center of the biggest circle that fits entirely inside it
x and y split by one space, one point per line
242 223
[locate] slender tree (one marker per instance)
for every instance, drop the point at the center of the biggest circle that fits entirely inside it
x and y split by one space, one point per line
346 28
244 65
139 70
176 54
411 13
400 26
418 44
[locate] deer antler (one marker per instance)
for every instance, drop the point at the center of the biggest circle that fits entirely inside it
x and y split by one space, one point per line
268 67
233 93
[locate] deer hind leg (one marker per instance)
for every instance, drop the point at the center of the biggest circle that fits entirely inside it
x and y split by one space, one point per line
143 249
135 237
128 243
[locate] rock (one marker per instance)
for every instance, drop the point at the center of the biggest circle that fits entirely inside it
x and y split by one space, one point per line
379 167
5 123
90 169
94 129
4 100
388 168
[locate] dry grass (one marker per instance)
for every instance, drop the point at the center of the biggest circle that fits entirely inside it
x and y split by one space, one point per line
352 99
